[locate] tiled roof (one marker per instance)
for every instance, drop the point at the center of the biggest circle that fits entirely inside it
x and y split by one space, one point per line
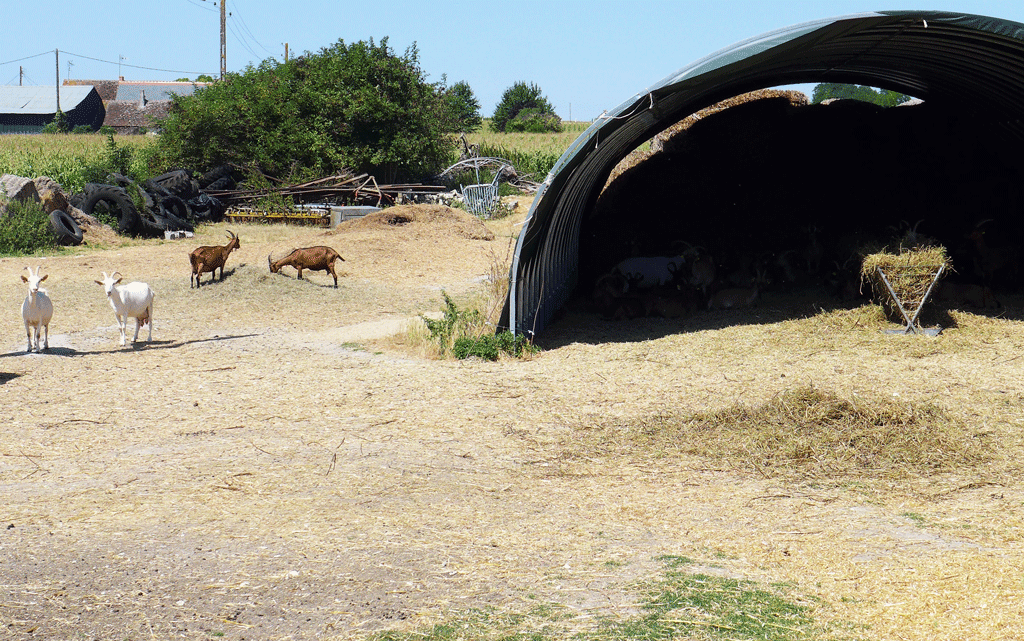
127 113
107 89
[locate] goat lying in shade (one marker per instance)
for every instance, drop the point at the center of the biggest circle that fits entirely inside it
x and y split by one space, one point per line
134 300
315 259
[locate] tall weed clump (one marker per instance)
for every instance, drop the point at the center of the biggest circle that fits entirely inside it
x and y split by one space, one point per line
25 229
463 333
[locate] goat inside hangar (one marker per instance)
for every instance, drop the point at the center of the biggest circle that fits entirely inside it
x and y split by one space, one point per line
770 176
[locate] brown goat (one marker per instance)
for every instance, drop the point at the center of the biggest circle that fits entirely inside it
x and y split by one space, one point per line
209 257
311 258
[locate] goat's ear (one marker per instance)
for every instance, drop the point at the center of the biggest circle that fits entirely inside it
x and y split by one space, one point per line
23 278
43 278
98 282
117 281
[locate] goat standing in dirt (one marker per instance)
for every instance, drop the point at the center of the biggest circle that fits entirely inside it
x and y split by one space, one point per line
209 257
134 300
315 259
37 310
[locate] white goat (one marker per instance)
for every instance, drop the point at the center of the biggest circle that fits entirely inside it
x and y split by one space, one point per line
649 271
37 310
134 300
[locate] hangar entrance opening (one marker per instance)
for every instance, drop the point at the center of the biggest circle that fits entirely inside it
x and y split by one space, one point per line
786 197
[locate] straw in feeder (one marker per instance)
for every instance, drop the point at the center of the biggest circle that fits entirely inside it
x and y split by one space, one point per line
905 280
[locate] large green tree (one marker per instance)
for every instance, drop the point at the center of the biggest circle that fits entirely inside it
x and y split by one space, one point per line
350 106
464 107
881 97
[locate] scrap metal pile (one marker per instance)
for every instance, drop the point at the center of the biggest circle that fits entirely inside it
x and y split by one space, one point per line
178 200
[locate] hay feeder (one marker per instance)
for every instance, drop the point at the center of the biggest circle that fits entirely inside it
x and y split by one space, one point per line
905 281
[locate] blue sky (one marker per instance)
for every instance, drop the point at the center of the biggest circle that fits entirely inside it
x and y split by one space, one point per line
585 56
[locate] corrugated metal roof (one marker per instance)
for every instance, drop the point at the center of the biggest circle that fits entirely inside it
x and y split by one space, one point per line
973 63
155 90
40 99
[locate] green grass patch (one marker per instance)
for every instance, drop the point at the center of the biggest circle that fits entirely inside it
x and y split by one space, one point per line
678 605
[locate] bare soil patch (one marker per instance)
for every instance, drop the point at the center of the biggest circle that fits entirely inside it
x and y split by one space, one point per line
269 468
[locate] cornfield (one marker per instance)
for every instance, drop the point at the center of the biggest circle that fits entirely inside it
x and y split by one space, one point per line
62 157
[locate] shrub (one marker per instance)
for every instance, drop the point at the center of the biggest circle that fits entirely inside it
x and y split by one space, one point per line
534 121
517 98
25 229
454 324
115 158
350 106
464 333
490 346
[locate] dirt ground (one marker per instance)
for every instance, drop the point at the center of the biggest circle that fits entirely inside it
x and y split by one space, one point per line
273 466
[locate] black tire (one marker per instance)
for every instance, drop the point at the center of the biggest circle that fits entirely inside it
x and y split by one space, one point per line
215 174
129 185
169 222
179 183
222 183
115 201
206 208
65 228
174 206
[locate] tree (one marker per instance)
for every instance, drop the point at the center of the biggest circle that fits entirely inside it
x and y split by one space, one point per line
464 107
357 106
524 108
881 97
59 124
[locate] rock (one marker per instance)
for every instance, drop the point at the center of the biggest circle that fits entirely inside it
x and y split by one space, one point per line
51 194
18 188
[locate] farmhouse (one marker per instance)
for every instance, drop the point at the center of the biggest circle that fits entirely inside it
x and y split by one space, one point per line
135 106
29 109
763 177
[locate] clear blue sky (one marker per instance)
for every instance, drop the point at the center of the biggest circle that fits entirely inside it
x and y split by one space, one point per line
585 56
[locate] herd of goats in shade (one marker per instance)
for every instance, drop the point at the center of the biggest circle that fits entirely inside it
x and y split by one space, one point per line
689 279
135 299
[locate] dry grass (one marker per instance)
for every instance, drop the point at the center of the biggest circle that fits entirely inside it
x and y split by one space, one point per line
272 467
811 435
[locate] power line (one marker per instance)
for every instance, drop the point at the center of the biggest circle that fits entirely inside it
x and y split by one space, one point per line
45 53
248 31
235 33
78 55
201 6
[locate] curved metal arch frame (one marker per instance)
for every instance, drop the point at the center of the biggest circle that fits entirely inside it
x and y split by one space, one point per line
974 62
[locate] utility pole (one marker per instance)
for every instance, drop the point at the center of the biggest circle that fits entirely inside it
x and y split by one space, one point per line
286 52
57 53
21 74
223 39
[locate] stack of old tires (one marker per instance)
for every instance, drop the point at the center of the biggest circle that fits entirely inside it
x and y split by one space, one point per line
170 202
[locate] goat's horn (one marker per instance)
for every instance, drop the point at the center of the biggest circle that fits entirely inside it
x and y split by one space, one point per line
231 234
270 263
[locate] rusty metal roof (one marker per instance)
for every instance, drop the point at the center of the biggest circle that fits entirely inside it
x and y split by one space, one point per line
973 63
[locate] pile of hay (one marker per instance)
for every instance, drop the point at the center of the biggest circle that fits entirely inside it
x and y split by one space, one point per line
421 219
910 273
664 140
